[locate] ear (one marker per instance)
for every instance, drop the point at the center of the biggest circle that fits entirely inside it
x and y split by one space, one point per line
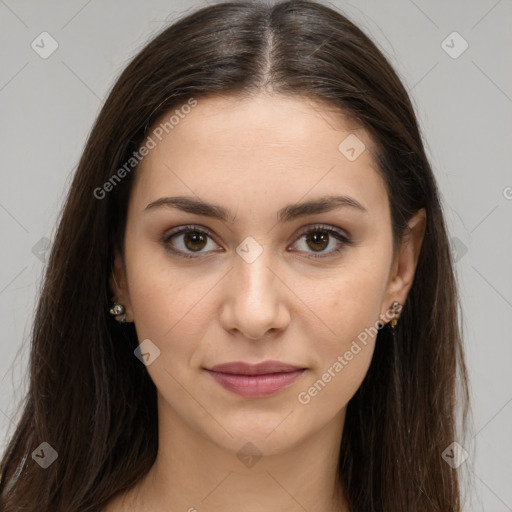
404 267
119 286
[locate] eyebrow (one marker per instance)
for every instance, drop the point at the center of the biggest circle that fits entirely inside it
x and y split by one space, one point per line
286 214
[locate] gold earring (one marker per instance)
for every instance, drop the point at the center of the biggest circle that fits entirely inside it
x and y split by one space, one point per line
118 310
396 308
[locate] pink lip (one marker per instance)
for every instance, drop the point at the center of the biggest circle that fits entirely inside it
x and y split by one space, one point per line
255 380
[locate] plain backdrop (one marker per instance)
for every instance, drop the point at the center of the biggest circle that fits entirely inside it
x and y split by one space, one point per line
464 105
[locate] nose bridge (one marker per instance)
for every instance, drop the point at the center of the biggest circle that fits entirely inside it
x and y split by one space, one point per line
255 281
254 302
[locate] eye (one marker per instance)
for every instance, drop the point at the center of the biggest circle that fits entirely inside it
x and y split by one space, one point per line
190 238
319 238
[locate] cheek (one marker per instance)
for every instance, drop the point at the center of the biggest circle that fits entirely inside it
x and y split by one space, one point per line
164 299
164 307
353 301
342 358
350 307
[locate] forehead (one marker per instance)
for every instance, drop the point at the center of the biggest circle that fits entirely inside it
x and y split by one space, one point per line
258 147
253 122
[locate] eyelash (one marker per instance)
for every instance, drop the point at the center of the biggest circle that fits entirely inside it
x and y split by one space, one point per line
314 229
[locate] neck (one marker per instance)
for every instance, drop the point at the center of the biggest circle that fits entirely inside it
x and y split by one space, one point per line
193 473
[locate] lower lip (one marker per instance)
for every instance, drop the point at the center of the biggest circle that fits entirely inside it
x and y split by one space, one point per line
256 386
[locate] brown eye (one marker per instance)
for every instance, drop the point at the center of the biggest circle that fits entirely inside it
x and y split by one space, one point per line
188 240
318 238
194 240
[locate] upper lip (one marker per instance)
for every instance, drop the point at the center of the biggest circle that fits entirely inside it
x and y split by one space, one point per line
265 367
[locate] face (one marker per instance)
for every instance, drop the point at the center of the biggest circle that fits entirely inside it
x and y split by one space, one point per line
261 275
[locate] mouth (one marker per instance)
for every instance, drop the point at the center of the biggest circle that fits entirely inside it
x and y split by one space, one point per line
255 380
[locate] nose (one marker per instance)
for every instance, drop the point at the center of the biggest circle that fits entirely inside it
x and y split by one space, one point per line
255 299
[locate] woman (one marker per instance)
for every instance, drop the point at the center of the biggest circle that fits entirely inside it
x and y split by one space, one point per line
250 301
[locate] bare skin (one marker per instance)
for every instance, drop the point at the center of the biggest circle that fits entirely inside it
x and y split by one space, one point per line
253 157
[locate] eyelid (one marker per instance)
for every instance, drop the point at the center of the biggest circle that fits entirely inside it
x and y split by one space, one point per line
189 227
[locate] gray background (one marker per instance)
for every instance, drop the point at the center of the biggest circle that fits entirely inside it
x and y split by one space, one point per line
464 104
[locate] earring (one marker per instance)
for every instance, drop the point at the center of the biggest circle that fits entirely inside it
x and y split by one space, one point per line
396 308
118 311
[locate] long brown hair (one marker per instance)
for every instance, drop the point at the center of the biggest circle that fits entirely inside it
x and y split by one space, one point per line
91 400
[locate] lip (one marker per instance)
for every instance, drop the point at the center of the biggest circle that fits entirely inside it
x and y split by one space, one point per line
255 380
